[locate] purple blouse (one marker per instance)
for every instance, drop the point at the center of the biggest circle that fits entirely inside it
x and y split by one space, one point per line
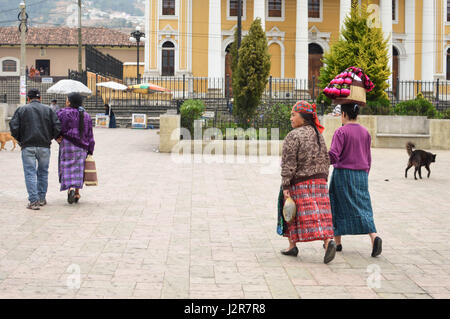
69 118
350 148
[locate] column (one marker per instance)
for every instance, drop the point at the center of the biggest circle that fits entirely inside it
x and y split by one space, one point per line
260 12
408 70
215 41
301 41
386 24
148 36
344 10
428 40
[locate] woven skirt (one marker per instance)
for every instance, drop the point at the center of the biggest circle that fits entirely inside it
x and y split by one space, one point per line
313 220
71 165
350 203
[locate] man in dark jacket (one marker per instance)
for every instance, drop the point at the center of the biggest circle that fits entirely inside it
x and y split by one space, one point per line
34 126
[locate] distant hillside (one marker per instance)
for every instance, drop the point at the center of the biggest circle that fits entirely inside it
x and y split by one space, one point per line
108 13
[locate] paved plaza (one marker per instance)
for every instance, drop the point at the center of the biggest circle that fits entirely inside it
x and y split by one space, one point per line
157 229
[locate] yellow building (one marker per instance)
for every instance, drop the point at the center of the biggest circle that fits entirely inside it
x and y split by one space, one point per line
192 37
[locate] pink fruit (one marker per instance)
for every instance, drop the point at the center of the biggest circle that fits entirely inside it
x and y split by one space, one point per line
348 81
336 91
345 92
340 81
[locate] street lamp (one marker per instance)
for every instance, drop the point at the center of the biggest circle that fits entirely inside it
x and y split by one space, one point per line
137 36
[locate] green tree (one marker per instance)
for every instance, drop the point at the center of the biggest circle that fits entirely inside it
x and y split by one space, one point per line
251 74
362 46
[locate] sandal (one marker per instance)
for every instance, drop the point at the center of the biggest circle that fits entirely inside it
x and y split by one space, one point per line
71 196
77 197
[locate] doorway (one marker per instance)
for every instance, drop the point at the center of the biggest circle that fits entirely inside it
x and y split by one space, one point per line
395 70
315 53
228 71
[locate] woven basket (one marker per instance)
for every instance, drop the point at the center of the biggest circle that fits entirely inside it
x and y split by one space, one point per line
357 95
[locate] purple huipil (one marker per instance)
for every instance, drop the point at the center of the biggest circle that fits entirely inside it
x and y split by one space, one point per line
350 148
73 149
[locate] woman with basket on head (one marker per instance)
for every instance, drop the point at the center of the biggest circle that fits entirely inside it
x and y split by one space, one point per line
76 143
304 172
349 190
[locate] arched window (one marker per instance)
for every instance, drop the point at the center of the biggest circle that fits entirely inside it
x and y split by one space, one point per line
168 59
9 66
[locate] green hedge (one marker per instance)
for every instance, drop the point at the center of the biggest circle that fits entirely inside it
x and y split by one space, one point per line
190 111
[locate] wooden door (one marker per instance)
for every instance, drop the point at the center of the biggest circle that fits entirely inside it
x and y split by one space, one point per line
228 74
314 71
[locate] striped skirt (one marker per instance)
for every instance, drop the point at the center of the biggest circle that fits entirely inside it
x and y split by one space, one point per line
71 165
313 220
350 203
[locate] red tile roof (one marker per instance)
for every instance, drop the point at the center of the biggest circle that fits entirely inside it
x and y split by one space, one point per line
66 36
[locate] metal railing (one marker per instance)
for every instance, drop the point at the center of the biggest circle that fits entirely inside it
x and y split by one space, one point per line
216 92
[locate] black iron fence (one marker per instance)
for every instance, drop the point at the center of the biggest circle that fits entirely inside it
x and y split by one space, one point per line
216 92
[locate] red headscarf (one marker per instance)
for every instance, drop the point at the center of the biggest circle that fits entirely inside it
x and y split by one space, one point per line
305 107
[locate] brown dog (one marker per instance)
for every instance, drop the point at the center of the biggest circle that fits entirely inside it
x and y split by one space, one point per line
5 137
418 158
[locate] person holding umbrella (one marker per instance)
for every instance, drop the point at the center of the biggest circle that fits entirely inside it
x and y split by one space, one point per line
76 142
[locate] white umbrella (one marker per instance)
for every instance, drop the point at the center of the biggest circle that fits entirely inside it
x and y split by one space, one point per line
113 85
69 86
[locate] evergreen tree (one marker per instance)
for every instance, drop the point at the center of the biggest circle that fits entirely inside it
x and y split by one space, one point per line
362 46
251 74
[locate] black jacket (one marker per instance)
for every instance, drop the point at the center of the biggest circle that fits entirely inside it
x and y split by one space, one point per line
35 125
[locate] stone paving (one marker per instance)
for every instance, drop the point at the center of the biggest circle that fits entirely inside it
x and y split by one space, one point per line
158 229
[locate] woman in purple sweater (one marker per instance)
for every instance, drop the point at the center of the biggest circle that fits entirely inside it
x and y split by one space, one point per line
76 142
349 189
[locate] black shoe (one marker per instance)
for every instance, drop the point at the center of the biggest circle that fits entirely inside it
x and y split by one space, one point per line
330 253
339 247
71 197
33 206
76 198
377 247
42 202
292 252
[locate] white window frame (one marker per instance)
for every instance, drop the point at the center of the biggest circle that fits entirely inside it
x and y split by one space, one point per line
17 73
320 19
395 21
169 17
283 15
445 13
244 11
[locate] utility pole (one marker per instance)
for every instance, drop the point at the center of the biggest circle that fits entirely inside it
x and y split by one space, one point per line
239 27
80 63
23 56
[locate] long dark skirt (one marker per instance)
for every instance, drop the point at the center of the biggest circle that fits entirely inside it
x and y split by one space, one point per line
71 165
350 203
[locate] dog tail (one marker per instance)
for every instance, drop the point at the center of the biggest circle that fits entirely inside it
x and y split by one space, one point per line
409 148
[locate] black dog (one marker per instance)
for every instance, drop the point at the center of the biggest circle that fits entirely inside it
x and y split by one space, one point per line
418 158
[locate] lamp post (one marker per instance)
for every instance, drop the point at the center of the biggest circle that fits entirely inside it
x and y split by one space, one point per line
137 36
23 28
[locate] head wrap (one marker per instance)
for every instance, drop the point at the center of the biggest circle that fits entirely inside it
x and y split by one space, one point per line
305 107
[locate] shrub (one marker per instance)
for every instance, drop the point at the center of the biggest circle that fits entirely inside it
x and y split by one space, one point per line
380 106
419 107
190 111
278 116
446 114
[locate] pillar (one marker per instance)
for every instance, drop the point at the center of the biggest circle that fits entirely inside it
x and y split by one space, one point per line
344 10
386 24
215 68
260 12
428 40
301 41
